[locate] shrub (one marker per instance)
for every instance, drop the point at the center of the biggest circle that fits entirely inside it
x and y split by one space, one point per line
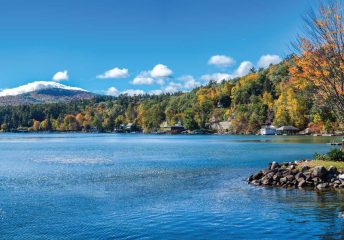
336 155
318 156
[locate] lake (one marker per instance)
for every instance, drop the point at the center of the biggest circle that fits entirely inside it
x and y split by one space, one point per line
134 186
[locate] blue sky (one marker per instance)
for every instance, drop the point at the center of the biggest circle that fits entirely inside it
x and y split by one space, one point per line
86 38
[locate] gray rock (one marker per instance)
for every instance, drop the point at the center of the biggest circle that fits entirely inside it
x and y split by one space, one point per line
276 178
308 177
319 171
283 180
316 180
256 182
300 175
337 182
274 165
302 184
290 177
304 168
332 170
322 186
266 182
257 176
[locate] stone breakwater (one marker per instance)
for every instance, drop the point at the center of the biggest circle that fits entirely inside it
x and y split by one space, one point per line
294 175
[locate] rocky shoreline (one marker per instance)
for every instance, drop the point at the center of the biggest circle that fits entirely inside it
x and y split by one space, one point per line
297 175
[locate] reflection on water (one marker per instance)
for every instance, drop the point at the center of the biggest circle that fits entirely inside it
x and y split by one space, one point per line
147 186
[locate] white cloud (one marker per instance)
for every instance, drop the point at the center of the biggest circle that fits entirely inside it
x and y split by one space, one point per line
161 71
160 81
112 91
173 87
156 92
115 73
243 69
60 76
268 59
35 86
143 78
133 92
218 77
189 81
156 75
221 61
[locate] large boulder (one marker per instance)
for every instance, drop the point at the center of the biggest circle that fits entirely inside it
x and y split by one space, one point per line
300 176
322 186
332 170
257 176
319 172
274 165
302 184
304 168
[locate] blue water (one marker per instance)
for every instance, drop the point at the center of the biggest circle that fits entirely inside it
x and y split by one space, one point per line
105 186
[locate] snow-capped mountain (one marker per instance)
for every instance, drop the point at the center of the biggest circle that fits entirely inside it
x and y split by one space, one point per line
42 92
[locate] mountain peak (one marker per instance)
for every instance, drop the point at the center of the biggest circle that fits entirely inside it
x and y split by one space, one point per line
42 92
36 86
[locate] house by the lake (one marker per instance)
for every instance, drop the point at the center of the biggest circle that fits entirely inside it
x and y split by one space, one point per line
174 129
268 130
289 130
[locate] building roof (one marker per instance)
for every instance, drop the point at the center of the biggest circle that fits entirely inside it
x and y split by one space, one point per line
288 128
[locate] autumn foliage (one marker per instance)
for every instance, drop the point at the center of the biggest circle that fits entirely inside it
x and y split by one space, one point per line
320 61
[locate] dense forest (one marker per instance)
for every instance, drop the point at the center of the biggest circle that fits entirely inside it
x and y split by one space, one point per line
264 96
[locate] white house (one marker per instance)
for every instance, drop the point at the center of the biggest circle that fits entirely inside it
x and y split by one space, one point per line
268 130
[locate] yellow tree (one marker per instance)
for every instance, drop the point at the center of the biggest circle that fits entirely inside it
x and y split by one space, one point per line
320 59
35 125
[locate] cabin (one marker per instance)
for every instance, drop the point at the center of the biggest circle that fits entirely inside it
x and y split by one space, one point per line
268 130
175 129
287 130
129 127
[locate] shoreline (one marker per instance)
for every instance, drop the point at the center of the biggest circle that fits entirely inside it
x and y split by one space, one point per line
168 133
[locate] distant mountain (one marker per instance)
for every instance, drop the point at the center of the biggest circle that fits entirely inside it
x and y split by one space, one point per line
42 92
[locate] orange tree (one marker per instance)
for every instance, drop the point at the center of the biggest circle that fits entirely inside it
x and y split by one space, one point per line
320 56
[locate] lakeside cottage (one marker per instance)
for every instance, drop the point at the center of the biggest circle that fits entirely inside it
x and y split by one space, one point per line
268 130
289 130
175 129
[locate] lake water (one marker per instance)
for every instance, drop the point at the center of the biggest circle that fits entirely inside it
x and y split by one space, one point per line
102 186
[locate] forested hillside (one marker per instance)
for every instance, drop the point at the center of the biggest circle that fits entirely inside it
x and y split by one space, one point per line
264 96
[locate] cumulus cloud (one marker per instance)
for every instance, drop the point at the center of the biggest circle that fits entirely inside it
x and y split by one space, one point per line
221 61
268 59
115 73
189 82
154 76
161 71
35 86
60 76
133 92
160 81
173 87
112 91
156 92
218 77
143 78
243 69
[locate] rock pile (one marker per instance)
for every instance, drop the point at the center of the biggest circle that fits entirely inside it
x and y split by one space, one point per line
293 175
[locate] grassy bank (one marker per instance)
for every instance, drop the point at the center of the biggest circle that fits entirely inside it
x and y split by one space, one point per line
326 164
